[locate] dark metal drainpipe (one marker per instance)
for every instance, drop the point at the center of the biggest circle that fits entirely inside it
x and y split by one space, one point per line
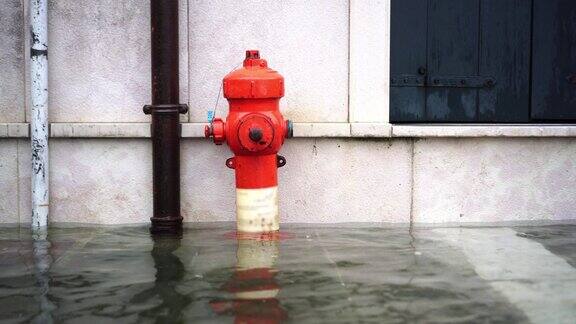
165 110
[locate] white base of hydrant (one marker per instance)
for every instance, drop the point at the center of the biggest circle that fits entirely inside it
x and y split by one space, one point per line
257 210
258 258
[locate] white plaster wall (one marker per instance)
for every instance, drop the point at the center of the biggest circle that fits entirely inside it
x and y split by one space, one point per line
12 82
101 181
306 41
489 180
108 181
324 181
100 60
9 181
369 60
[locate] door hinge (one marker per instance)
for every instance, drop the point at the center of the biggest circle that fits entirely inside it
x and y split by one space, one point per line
442 81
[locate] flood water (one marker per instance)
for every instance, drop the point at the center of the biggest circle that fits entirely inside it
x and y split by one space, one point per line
314 274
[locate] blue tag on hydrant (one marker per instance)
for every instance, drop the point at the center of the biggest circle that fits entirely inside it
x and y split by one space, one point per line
210 115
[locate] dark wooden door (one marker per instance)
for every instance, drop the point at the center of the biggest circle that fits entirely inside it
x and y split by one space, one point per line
505 54
460 60
554 60
408 57
453 37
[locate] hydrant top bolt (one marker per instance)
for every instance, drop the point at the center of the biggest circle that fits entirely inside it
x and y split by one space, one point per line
252 54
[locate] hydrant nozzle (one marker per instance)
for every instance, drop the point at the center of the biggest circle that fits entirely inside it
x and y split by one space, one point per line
216 130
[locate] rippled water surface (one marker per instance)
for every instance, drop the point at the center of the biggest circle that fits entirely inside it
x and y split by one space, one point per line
346 274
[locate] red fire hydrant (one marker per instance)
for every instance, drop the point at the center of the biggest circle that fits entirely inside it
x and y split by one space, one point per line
254 130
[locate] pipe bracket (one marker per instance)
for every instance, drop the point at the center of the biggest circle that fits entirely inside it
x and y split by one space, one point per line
165 108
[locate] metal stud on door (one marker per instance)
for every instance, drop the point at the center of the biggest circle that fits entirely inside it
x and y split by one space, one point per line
255 131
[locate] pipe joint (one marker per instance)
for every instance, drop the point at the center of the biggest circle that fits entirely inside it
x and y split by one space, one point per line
289 129
216 130
165 108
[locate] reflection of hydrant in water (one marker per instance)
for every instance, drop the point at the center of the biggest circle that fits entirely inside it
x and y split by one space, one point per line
254 130
253 285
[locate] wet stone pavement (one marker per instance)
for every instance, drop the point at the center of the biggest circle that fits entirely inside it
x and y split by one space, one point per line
363 273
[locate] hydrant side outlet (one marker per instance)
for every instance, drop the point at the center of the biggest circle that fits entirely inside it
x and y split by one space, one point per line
255 131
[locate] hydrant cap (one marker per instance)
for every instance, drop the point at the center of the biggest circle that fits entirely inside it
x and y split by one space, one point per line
253 80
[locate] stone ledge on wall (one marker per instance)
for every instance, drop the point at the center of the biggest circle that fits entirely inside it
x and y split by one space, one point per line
370 130
96 130
321 130
303 130
14 130
534 130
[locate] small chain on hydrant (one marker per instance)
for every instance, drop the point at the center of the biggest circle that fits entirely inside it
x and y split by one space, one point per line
218 97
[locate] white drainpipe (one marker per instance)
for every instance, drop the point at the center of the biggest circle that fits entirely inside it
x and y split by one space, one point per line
42 263
39 115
